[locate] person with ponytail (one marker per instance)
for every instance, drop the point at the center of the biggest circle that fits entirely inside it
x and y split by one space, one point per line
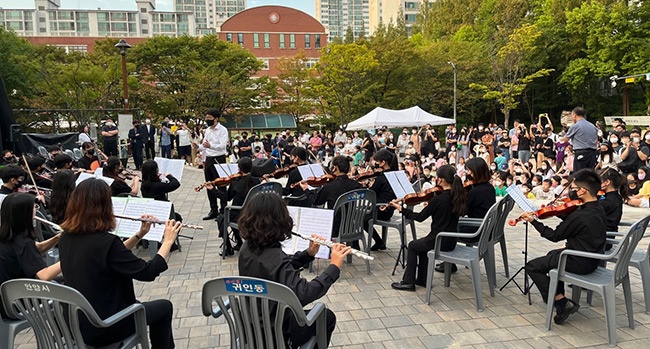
444 210
614 185
384 161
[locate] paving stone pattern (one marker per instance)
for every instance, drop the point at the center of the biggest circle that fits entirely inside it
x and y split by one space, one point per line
372 315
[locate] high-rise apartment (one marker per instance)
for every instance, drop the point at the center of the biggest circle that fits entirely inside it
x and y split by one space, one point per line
392 9
47 19
210 14
338 15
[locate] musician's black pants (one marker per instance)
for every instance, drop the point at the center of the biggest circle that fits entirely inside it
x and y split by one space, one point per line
538 269
149 149
299 335
416 257
211 174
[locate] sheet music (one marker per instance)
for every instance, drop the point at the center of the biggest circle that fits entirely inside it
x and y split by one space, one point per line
309 221
135 207
161 210
82 177
521 201
118 208
2 198
99 172
305 172
399 183
225 170
172 166
317 170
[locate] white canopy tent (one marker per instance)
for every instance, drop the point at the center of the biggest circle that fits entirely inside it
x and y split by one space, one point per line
410 117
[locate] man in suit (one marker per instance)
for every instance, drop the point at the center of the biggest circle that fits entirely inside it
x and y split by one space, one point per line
149 137
135 137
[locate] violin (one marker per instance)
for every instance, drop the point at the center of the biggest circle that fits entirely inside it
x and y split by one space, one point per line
316 181
221 181
416 198
368 174
564 207
281 172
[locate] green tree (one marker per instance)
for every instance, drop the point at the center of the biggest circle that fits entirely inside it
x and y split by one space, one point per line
343 81
294 82
17 68
513 69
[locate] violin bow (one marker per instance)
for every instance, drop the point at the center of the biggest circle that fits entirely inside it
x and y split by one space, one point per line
30 174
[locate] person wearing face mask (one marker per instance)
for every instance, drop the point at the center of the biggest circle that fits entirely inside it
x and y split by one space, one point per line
13 177
583 230
109 133
644 148
119 186
616 146
452 140
340 137
214 143
89 162
614 186
632 184
402 144
245 145
629 155
584 137
415 138
149 136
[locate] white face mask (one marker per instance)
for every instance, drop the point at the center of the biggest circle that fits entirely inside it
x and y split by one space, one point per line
148 122
614 140
647 137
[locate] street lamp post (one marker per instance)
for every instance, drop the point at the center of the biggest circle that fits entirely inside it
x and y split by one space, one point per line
124 46
455 110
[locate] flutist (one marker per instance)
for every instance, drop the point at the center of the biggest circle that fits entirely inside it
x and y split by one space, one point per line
264 223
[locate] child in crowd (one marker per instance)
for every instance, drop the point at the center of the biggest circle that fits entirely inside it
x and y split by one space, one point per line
544 192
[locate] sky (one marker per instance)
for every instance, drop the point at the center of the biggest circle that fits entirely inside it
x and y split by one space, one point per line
161 5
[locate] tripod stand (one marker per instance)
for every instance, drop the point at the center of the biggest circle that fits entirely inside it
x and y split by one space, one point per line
527 284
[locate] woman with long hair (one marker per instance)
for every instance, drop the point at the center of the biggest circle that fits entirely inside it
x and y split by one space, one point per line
20 254
607 157
368 147
63 184
112 169
614 185
265 223
152 185
102 267
444 210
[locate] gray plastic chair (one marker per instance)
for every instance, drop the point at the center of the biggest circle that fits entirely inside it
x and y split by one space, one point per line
43 304
507 204
640 260
70 153
467 256
9 329
43 152
78 154
356 207
603 281
255 311
270 187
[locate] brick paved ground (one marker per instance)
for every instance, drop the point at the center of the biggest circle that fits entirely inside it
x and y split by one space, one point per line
372 315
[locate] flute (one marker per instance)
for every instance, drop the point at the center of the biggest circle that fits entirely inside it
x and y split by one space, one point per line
329 244
158 221
54 225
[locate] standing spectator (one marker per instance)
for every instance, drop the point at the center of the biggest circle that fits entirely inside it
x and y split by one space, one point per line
267 145
149 136
84 135
415 138
629 155
245 146
429 140
184 143
644 148
504 145
452 140
523 147
165 141
463 140
109 133
135 138
368 147
584 138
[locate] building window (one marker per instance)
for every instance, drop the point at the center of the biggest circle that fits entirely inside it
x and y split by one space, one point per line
282 41
292 41
267 40
240 38
265 64
41 19
145 31
144 21
143 10
229 37
256 40
307 41
317 43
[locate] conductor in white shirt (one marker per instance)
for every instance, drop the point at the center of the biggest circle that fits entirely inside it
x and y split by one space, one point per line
214 143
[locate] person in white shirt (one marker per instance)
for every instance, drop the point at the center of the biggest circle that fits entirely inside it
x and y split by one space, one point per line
184 143
544 192
84 136
215 141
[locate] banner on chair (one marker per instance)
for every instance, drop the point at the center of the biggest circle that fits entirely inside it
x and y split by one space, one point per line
245 286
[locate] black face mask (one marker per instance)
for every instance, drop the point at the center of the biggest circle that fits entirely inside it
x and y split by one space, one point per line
573 194
90 151
209 122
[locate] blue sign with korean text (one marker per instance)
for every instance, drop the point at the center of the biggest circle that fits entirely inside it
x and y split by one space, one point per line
245 286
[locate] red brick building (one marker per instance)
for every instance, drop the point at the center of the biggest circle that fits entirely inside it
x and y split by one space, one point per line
273 32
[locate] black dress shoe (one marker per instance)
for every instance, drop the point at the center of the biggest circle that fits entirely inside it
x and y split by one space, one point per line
441 268
211 215
378 247
564 311
401 286
238 246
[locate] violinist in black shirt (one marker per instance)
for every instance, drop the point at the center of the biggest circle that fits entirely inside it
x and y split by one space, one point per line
298 157
112 170
614 185
237 192
584 230
384 161
152 185
35 166
330 192
444 210
89 161
13 177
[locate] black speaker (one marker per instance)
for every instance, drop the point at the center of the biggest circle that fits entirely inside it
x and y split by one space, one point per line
14 134
262 167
